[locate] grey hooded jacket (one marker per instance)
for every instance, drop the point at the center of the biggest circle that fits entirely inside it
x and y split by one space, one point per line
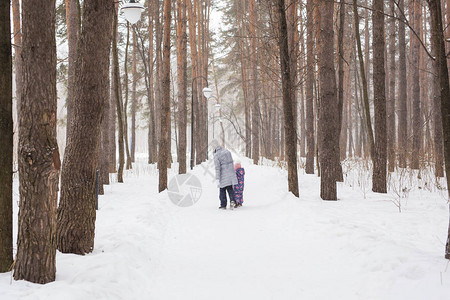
225 173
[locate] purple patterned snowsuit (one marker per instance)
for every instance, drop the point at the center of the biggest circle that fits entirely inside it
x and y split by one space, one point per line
239 188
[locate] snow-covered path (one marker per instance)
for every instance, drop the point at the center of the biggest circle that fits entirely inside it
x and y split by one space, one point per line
274 247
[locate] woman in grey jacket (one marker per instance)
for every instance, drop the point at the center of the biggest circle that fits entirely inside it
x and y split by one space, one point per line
225 176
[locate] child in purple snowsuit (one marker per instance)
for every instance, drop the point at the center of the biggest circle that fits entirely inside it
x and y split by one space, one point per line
239 188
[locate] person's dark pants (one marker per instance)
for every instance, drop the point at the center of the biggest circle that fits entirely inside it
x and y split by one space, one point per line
223 195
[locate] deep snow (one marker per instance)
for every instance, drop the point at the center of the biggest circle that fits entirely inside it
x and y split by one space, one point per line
274 247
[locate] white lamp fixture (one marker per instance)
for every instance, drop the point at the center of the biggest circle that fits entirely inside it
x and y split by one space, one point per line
207 92
132 11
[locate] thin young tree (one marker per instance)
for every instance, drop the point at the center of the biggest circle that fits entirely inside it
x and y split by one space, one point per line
165 103
363 70
328 116
76 212
379 93
38 154
6 137
288 88
118 97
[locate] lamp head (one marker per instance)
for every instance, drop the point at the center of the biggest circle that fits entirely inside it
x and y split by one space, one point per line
132 11
207 92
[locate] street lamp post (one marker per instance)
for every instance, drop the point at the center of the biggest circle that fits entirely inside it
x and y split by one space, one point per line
192 117
208 94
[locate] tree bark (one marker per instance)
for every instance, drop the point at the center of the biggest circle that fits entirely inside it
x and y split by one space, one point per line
104 158
288 87
328 116
195 73
6 136
76 212
339 175
310 143
158 74
38 154
254 79
437 38
165 103
416 119
437 117
152 139
73 28
17 51
379 93
112 121
243 47
402 92
391 100
182 84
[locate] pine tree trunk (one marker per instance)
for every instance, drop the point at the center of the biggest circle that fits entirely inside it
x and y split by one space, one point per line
290 126
339 176
38 154
328 116
293 48
158 73
165 103
437 38
379 93
310 143
437 117
76 212
73 27
17 51
254 80
104 159
152 139
243 49
195 73
402 93
6 137
112 121
415 68
391 100
351 148
182 84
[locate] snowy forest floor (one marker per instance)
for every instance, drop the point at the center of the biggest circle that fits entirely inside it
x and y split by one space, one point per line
274 247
